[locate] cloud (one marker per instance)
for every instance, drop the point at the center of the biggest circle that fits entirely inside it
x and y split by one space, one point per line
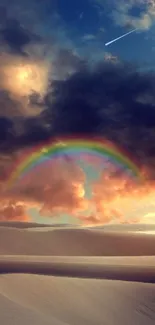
22 74
54 188
120 199
110 58
16 37
65 63
90 220
13 211
49 91
122 12
88 37
148 218
31 56
59 187
115 101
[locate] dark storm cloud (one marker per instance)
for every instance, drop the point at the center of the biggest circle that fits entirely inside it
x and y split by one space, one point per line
116 101
113 100
16 37
67 62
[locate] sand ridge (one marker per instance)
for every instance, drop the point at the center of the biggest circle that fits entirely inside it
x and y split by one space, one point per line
56 275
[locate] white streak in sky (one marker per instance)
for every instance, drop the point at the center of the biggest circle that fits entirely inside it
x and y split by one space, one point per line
114 40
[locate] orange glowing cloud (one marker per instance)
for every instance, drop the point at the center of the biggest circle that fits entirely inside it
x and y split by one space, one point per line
13 211
58 187
148 218
115 197
55 188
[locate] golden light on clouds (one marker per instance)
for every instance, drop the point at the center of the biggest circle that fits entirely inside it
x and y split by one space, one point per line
123 199
25 78
148 218
24 74
22 77
80 190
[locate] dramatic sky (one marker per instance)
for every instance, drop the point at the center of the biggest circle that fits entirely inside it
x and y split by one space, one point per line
57 78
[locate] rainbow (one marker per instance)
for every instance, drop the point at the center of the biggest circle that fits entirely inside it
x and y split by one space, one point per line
73 146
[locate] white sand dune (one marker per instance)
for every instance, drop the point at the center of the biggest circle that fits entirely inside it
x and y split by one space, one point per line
33 299
63 275
74 242
128 269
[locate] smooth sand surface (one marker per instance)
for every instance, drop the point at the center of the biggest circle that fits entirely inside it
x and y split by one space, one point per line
75 242
66 275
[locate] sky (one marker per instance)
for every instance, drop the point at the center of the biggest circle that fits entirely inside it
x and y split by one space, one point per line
57 78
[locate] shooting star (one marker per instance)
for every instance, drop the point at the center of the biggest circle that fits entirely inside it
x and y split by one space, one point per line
114 40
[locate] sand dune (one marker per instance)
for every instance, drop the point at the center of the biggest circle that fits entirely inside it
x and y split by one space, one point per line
32 299
111 227
25 225
61 275
127 269
74 242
